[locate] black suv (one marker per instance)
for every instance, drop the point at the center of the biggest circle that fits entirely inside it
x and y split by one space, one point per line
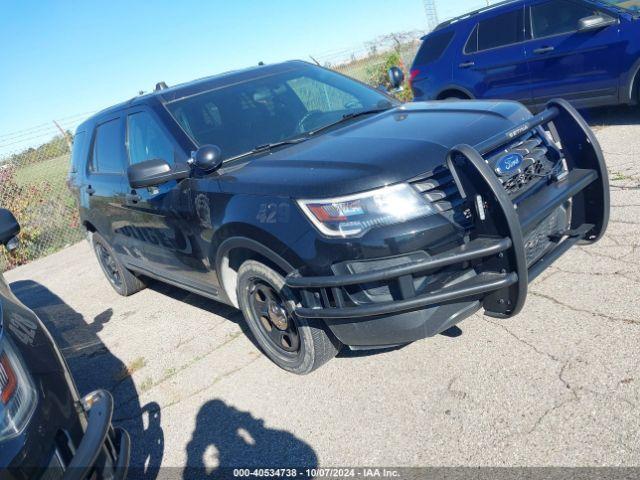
46 430
330 213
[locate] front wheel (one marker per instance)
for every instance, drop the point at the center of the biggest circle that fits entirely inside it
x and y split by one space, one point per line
292 343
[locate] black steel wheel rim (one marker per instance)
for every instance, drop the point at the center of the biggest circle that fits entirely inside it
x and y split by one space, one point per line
109 265
275 322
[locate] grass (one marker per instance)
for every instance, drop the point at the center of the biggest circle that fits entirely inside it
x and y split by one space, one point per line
618 176
359 69
130 369
53 171
146 384
46 209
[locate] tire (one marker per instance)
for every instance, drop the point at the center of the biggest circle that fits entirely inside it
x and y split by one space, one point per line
123 281
454 98
292 343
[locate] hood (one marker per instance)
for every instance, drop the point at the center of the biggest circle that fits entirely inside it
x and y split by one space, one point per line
379 150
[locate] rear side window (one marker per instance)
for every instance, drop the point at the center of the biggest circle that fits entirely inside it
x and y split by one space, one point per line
107 148
433 47
146 140
76 152
498 31
557 17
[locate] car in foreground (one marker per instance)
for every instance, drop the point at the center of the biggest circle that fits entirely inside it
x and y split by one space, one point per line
330 213
47 431
585 51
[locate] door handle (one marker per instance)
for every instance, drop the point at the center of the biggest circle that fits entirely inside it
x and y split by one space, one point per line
467 64
542 50
132 198
90 190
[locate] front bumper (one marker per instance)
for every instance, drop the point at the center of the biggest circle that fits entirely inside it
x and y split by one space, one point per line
103 449
496 266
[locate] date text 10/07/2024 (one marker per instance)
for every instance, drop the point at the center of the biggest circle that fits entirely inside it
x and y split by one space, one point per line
317 472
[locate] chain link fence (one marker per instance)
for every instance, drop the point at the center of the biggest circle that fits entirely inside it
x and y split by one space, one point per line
33 186
33 179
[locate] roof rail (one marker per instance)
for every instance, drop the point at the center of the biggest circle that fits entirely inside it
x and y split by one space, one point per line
160 86
473 13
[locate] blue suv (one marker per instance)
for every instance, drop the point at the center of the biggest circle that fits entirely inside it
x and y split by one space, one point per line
585 51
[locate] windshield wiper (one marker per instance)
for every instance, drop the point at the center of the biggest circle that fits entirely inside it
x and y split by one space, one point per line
348 116
267 147
270 146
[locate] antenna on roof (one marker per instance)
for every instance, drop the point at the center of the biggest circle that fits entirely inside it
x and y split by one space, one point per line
160 86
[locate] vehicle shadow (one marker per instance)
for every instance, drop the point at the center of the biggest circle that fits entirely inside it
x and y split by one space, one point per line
203 303
94 366
451 332
235 316
608 116
225 438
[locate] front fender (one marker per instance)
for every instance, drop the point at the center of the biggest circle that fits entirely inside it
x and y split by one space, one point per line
245 237
265 225
268 247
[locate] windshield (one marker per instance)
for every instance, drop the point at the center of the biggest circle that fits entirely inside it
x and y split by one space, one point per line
631 5
272 108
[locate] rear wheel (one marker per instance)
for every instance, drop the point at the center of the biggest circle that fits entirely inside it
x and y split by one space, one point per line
454 97
290 342
121 279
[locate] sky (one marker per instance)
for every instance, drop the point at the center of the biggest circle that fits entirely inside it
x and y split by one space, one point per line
60 59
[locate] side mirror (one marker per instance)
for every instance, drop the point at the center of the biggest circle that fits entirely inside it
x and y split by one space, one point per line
151 173
207 157
396 77
9 229
595 22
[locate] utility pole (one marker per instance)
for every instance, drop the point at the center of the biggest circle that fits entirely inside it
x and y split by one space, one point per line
432 14
64 134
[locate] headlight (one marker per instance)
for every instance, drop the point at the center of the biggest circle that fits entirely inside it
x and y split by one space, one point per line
355 215
17 393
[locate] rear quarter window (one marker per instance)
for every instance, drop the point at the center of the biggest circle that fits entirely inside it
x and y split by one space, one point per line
108 143
433 47
77 151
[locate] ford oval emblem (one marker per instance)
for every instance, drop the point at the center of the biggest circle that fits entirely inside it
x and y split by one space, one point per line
509 164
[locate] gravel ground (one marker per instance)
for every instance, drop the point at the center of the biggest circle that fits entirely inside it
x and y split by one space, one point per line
557 385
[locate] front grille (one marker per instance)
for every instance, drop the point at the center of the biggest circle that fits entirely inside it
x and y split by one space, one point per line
539 162
439 188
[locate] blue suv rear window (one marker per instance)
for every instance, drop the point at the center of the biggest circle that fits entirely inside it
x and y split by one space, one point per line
433 47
